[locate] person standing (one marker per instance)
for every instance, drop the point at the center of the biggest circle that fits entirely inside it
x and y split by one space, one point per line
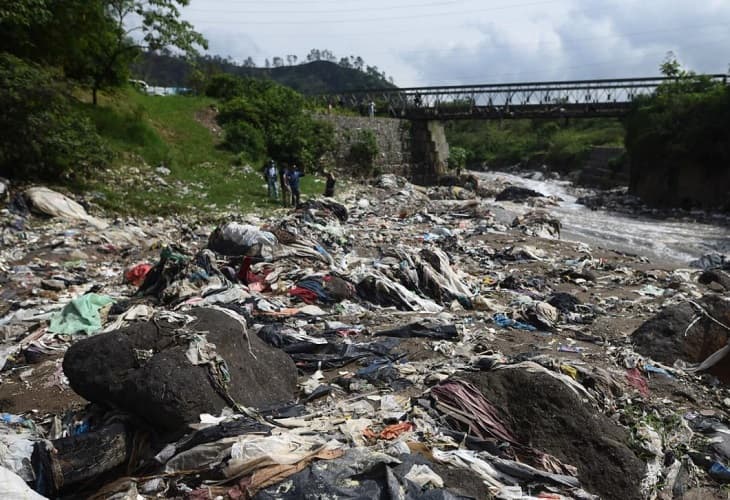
371 109
294 176
272 178
285 189
329 187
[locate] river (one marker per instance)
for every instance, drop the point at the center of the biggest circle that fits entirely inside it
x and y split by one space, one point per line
670 241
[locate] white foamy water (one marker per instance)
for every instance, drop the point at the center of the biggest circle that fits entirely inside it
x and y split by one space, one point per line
674 241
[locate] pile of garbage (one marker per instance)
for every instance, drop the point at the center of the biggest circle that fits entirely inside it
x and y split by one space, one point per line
397 343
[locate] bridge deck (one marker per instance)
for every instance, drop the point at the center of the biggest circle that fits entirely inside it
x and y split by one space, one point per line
577 98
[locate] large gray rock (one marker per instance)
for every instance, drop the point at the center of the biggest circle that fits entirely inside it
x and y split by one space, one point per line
663 337
167 390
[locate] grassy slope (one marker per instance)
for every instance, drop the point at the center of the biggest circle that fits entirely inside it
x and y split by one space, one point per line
148 131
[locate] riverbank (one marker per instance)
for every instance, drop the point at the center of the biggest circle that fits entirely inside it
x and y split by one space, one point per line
437 290
673 236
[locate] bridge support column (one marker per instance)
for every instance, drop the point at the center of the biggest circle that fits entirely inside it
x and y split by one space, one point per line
429 151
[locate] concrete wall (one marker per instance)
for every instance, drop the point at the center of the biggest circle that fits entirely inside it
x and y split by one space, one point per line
430 151
391 135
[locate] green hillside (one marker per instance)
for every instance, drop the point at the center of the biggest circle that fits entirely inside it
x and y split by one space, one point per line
308 78
178 133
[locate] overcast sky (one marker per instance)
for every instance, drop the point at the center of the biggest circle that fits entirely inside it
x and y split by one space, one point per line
448 42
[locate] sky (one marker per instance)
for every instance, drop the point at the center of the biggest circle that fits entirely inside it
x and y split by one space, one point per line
449 42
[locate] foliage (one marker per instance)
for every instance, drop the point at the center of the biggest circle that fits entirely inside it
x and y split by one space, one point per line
457 157
44 136
275 113
145 131
224 87
363 152
244 138
562 145
685 121
129 131
92 40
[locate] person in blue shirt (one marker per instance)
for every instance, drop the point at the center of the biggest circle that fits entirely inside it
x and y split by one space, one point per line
271 176
295 174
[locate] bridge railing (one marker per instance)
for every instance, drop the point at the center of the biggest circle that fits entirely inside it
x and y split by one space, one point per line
566 98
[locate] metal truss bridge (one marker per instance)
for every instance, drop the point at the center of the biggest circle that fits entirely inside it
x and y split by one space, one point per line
568 99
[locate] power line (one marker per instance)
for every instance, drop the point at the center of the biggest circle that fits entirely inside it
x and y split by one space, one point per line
331 11
376 19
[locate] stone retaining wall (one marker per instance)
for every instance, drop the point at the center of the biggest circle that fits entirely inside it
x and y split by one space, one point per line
391 135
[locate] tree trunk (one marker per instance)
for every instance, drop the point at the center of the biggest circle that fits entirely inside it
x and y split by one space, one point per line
75 460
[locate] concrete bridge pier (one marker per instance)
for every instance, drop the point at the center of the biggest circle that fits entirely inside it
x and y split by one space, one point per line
429 151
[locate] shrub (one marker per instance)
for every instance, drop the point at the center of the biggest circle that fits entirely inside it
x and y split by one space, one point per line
242 137
44 135
363 152
277 115
224 87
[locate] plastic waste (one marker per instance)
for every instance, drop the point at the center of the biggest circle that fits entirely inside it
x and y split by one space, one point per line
505 322
14 487
81 315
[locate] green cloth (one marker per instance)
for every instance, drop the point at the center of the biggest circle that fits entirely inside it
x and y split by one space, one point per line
81 315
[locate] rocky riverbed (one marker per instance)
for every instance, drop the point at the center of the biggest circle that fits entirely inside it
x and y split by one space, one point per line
395 342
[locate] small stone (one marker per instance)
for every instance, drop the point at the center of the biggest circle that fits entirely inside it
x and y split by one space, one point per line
726 402
77 255
716 287
54 285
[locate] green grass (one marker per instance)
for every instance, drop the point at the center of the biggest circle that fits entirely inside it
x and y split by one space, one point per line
147 132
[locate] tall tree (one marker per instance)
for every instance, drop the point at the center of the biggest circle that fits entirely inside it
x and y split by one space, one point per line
95 40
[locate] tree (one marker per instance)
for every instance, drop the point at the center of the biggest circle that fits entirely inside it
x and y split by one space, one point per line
291 59
157 22
457 157
671 67
249 63
94 41
45 136
278 62
278 115
363 152
314 55
345 62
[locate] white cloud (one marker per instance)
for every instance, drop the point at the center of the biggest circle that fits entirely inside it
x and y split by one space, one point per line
430 42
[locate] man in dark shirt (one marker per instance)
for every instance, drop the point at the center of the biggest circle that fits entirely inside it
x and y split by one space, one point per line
294 176
329 187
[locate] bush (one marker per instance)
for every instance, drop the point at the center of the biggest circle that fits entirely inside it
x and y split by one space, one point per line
224 87
363 152
244 138
457 157
44 136
277 115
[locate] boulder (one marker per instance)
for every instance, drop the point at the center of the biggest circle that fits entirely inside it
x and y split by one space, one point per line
548 415
146 370
666 337
722 278
517 194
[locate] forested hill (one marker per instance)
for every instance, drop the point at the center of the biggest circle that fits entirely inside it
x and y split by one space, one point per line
308 78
